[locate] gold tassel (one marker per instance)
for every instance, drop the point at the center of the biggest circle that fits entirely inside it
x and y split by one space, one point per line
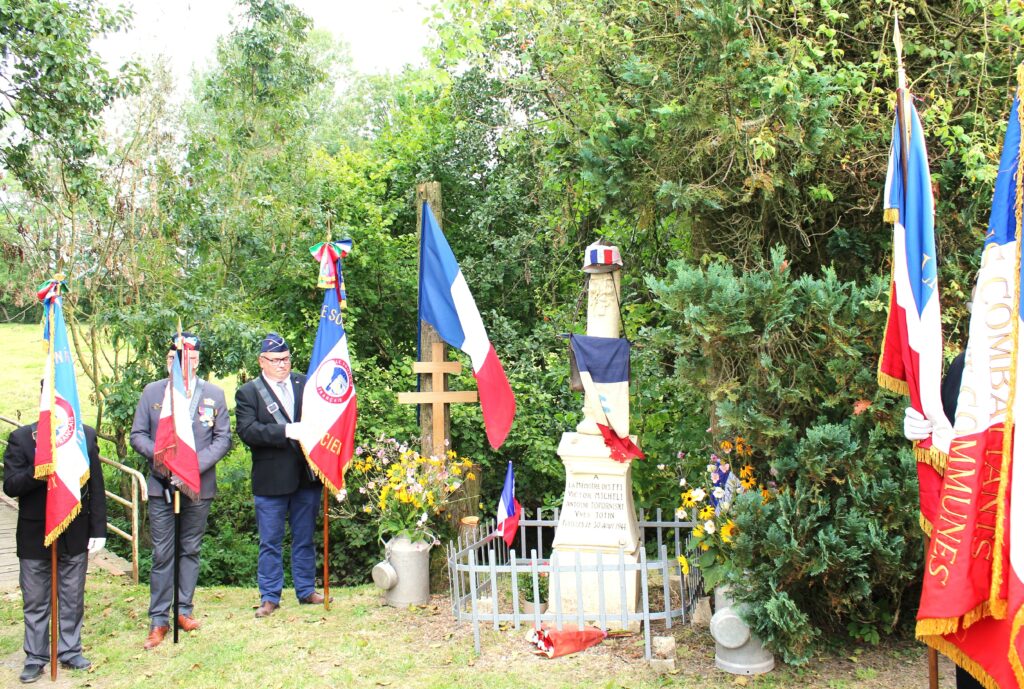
926 525
936 627
962 659
55 534
932 456
891 215
888 382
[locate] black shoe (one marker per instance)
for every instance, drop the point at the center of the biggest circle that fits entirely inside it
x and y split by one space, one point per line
78 662
31 673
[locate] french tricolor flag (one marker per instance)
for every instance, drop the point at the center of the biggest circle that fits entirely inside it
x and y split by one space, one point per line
911 360
446 303
509 509
175 444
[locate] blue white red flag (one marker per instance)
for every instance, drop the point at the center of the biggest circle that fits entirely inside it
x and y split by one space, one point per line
911 360
604 371
509 509
446 303
174 448
329 397
62 456
972 592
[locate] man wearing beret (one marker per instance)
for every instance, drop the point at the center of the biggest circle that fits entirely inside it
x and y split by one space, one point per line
212 430
268 412
86 532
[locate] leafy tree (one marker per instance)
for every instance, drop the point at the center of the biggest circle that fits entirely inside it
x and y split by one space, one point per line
54 86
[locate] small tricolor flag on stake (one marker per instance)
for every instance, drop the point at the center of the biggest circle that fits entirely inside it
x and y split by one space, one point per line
62 456
174 448
604 371
446 304
329 397
509 509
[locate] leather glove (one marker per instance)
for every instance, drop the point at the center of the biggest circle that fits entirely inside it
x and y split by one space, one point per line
292 431
96 544
915 426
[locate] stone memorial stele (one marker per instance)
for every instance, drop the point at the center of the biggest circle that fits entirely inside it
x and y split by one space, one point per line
597 516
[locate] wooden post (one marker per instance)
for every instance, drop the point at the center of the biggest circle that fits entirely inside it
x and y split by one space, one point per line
54 611
432 434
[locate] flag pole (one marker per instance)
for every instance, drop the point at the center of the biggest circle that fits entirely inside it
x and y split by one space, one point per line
177 555
54 603
53 611
327 580
904 127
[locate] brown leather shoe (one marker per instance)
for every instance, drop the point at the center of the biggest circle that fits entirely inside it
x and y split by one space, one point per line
314 598
266 609
188 623
155 638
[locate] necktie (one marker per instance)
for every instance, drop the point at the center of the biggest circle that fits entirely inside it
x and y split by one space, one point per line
287 402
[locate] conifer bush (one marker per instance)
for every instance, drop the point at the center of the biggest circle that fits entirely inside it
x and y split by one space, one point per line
789 362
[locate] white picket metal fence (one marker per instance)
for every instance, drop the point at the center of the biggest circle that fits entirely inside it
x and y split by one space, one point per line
485 574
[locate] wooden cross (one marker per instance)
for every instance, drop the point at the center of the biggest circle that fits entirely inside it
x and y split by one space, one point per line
437 396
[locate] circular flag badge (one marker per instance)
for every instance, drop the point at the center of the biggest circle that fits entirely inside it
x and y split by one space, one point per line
64 421
333 380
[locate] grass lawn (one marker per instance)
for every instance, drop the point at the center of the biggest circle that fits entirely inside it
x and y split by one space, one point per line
359 643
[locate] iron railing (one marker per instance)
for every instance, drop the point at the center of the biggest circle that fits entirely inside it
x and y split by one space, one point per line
485 576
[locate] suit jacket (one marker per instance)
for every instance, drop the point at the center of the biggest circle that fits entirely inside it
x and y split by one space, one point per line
210 424
279 465
20 482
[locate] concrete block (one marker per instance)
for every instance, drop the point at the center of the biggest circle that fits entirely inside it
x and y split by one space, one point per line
663 665
702 613
663 646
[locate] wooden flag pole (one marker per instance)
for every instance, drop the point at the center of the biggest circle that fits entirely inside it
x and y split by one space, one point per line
177 556
53 611
327 579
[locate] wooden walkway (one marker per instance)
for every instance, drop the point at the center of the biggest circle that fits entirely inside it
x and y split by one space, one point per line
8 556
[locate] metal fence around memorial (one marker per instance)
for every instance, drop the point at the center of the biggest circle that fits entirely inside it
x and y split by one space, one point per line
485 577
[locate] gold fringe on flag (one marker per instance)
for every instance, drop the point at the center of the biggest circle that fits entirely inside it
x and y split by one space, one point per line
1015 663
962 659
886 381
891 215
925 525
932 456
55 534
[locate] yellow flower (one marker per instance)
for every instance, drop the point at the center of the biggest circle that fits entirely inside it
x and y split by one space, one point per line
451 454
747 471
456 471
749 482
698 531
471 476
706 512
367 509
704 546
684 564
739 440
726 446
688 499
765 495
728 531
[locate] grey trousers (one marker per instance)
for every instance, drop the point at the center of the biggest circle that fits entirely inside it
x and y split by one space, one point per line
34 576
161 579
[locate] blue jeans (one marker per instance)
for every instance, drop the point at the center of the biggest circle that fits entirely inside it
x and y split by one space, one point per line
300 508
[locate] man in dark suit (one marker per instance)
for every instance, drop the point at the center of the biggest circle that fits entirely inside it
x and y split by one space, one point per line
212 430
86 533
268 412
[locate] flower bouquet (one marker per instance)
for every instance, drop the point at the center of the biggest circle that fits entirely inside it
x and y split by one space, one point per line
403 489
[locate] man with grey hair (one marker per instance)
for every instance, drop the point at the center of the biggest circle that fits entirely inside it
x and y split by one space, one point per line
212 429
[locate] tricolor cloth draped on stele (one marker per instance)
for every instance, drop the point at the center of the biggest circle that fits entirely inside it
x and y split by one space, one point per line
972 595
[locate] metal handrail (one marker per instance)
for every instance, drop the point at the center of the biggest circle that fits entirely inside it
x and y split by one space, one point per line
138 491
